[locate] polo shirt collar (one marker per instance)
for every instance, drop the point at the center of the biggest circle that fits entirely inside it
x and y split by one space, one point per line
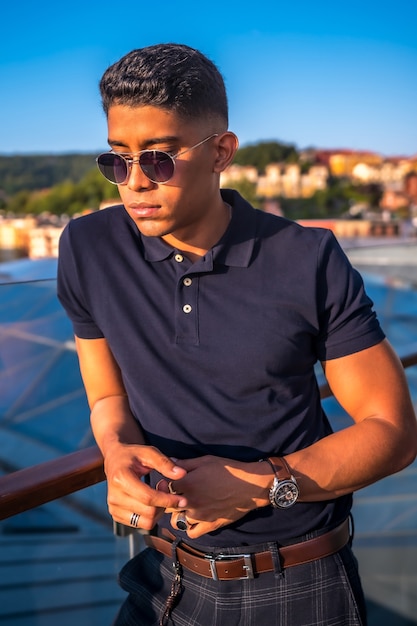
235 248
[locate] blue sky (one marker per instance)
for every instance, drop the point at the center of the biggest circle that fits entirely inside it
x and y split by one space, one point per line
322 74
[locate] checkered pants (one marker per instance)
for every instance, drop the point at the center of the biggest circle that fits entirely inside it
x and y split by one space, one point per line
326 592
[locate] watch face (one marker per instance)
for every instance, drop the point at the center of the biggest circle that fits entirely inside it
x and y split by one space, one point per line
286 494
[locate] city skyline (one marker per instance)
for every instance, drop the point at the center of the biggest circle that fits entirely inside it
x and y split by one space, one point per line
324 75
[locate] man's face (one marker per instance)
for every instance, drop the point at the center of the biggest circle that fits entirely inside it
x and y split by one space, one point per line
182 206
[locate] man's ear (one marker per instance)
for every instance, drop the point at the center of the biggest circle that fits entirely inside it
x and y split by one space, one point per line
227 144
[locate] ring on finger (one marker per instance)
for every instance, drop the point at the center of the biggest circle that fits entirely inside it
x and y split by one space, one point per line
134 520
182 523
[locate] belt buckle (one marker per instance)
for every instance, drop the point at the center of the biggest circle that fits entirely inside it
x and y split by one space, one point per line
247 558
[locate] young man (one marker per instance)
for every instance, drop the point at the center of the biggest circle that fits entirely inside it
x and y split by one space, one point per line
198 322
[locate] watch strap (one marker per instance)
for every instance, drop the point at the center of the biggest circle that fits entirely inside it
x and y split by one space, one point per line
284 492
280 468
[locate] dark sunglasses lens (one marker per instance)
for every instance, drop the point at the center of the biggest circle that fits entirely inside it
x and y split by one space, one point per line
156 165
113 167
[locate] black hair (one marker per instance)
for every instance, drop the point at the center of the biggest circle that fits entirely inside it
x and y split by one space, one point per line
171 76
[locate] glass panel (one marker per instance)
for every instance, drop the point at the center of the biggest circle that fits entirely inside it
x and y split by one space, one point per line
42 401
59 562
385 513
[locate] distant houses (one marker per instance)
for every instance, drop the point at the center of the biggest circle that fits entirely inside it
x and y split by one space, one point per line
396 175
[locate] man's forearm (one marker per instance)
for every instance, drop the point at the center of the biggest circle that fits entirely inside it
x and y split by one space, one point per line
351 459
112 423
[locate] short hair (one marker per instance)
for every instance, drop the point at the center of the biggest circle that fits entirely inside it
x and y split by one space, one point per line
170 76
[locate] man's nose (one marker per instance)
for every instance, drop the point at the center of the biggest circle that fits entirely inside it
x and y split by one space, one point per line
137 179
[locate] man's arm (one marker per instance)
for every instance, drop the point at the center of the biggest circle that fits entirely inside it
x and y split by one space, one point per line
371 386
127 458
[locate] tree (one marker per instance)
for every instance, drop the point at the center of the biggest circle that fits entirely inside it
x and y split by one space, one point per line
41 171
66 197
248 191
261 154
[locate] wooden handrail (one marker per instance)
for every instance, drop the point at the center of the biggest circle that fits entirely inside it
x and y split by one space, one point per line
33 486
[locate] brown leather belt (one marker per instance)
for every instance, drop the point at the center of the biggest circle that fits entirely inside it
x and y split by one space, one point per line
247 565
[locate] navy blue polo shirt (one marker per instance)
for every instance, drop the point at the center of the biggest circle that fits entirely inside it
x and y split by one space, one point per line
218 356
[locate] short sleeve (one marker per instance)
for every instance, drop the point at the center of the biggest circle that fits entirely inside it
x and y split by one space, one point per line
348 322
70 289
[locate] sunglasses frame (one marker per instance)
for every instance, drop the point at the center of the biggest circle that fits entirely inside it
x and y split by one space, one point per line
131 161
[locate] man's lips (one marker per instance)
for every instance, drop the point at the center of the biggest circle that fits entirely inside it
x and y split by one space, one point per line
143 209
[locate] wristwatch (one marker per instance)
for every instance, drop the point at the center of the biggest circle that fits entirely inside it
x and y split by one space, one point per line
284 491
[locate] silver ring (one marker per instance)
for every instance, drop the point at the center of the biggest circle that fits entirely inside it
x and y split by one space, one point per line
182 522
134 520
171 488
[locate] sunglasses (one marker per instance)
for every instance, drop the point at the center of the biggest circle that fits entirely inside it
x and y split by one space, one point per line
158 166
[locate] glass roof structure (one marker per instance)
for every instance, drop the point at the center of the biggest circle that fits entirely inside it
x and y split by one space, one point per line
42 401
59 562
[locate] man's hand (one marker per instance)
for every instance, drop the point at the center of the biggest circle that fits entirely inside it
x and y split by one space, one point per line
125 465
220 491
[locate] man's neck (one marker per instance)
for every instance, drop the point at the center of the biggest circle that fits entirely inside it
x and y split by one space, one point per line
197 247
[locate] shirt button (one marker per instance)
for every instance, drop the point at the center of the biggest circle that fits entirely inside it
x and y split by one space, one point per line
179 258
187 308
187 282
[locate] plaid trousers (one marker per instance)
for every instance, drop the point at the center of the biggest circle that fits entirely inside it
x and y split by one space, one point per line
326 592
